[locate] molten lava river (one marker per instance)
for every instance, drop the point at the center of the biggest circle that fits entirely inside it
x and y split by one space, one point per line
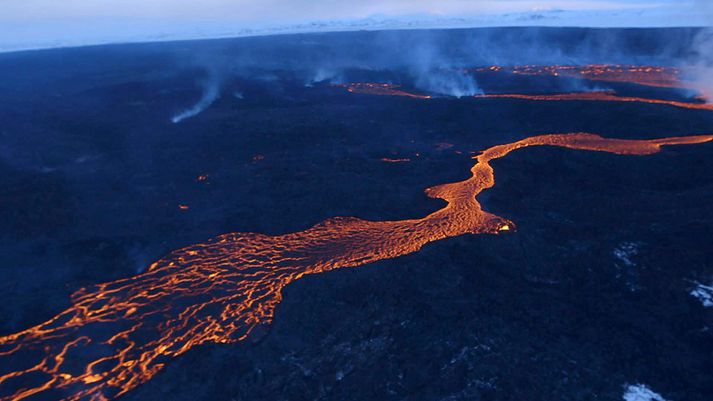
118 335
599 97
653 76
657 76
662 77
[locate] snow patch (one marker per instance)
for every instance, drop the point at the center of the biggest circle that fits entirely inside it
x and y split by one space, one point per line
704 293
640 392
625 252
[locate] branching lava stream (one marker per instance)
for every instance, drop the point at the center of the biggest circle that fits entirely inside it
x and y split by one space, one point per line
118 335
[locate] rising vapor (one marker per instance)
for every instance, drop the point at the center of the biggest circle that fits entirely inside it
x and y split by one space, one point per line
448 83
211 93
703 52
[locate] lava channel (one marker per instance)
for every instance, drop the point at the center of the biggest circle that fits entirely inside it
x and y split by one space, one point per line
118 335
597 97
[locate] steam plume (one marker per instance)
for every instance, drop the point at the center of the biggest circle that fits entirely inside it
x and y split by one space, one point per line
211 93
436 73
448 82
703 52
436 61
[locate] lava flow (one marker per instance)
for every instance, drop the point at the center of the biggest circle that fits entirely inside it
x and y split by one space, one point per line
598 97
393 161
371 88
656 76
118 335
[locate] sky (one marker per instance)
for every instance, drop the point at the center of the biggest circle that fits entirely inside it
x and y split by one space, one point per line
50 23
286 11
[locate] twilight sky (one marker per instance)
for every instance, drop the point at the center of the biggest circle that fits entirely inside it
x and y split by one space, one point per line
30 24
290 11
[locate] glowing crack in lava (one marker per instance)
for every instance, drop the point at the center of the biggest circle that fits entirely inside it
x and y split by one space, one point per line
371 88
118 335
598 97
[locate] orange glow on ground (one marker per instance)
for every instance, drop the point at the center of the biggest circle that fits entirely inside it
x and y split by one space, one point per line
597 97
370 88
389 160
657 76
665 77
118 335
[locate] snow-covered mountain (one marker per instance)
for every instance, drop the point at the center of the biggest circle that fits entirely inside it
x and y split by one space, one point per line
69 33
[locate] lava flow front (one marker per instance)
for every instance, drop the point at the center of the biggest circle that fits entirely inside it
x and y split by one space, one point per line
599 97
657 76
372 88
118 335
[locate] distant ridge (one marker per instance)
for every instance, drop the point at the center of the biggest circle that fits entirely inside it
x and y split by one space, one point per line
72 33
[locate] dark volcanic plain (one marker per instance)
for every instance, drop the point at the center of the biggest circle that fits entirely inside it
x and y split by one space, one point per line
94 175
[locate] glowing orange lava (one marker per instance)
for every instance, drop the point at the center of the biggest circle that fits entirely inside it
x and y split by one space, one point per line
390 160
667 77
118 335
370 88
599 97
657 76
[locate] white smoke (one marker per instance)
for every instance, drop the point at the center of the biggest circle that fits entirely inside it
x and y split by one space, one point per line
211 93
324 74
703 52
437 73
448 82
